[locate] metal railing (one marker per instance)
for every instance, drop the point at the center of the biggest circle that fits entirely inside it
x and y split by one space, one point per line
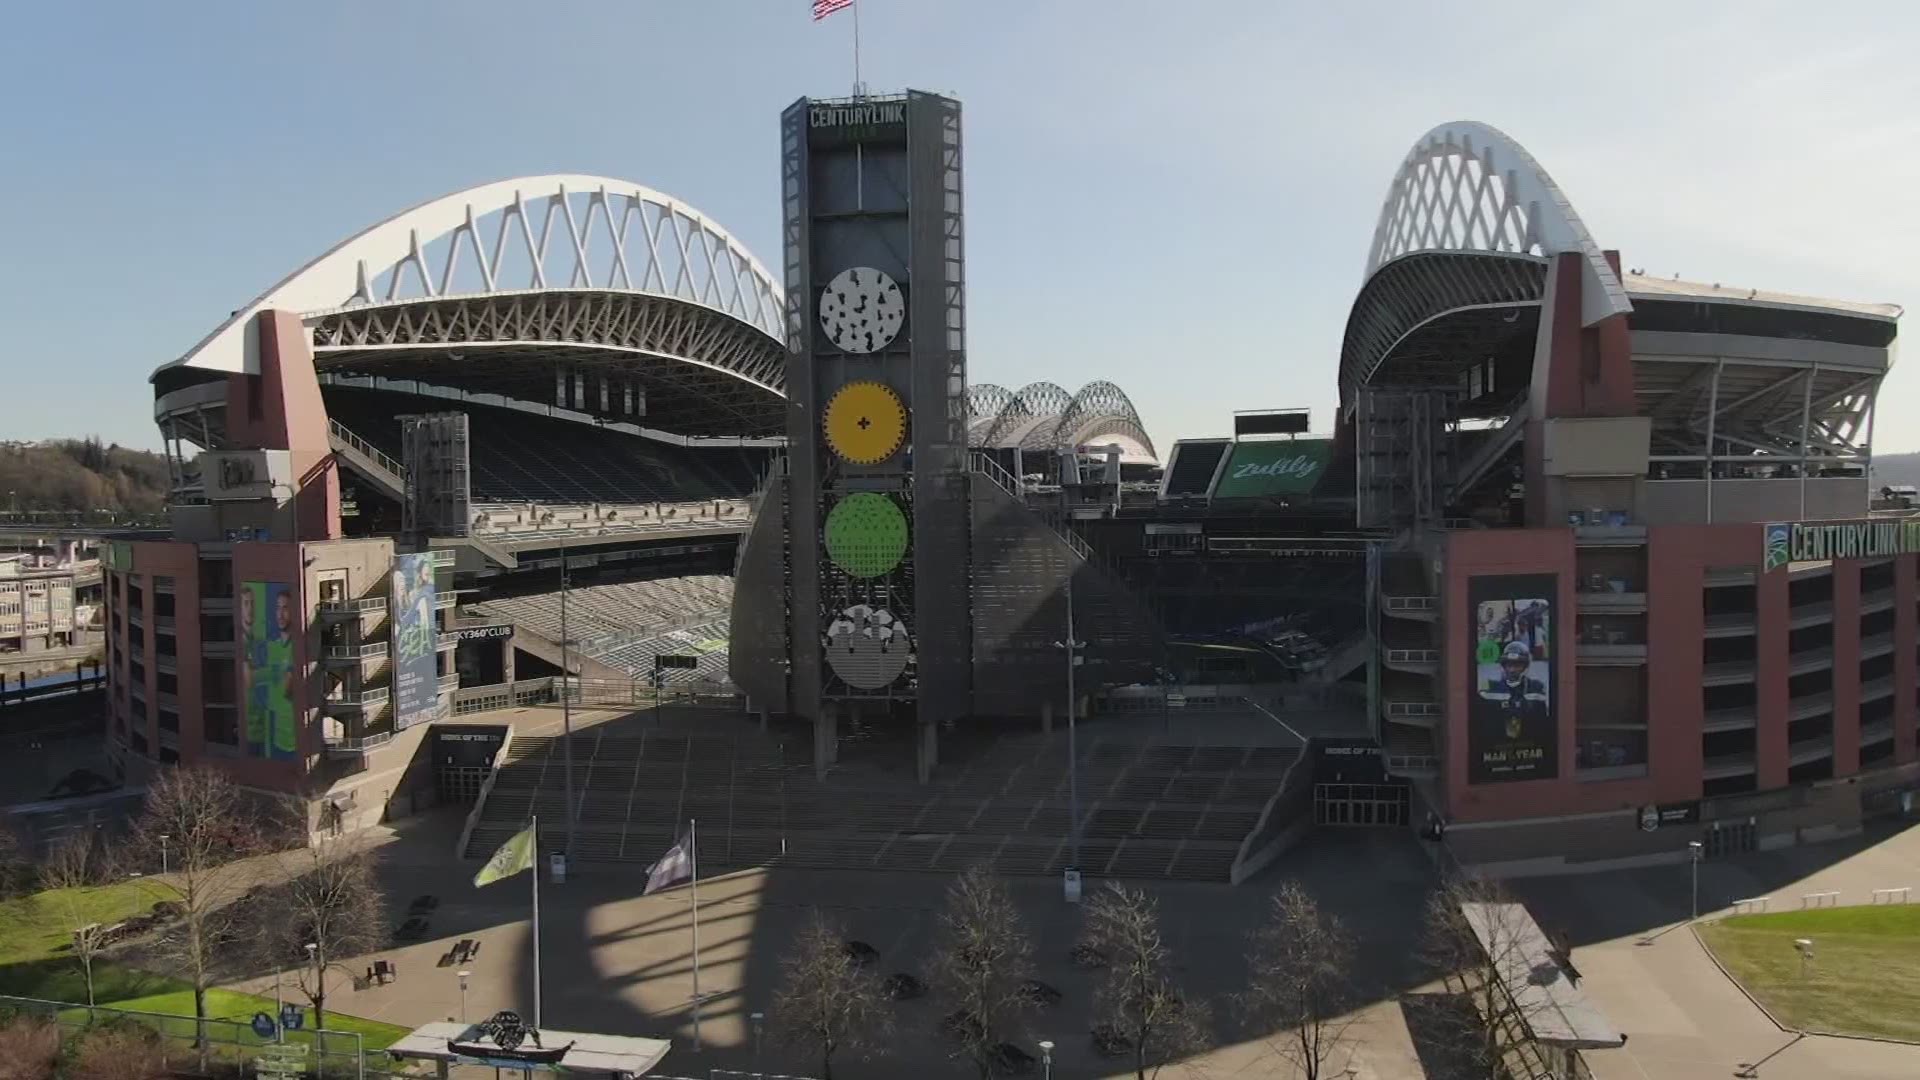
1006 482
357 652
371 696
345 434
358 742
214 1046
365 603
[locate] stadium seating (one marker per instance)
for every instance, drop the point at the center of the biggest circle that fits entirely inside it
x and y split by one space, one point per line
515 522
624 611
518 456
1148 810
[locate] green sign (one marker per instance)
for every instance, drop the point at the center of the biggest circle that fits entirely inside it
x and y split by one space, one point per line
1268 469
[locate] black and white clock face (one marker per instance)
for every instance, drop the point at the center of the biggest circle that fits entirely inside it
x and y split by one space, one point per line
862 310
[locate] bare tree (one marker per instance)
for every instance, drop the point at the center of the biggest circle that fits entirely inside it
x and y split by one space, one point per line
121 1051
16 873
331 901
828 1001
1475 957
981 964
210 830
1299 980
29 1047
75 862
1138 998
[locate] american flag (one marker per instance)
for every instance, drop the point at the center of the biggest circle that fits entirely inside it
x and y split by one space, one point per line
824 8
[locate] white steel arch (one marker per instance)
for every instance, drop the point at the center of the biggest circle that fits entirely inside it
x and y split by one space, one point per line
1467 186
562 231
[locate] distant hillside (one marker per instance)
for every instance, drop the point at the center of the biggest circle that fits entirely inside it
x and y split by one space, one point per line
77 475
1896 469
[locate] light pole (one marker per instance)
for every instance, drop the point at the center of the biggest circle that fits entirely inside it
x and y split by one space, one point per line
1072 648
1046 1058
279 1004
164 837
463 994
313 957
1693 853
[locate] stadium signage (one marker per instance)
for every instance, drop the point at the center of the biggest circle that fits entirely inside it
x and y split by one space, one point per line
1273 468
483 633
865 114
1821 541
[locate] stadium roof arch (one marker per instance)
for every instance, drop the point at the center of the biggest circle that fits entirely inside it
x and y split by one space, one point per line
1044 416
1452 296
1458 262
500 288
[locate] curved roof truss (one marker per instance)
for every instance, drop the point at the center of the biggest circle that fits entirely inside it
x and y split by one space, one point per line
570 232
1467 186
1044 416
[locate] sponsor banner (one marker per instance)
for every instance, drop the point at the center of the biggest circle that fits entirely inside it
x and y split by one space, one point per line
1652 816
1787 542
245 474
416 681
1260 470
1512 729
483 633
267 668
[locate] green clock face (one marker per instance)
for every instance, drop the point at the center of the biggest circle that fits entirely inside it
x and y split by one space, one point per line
866 534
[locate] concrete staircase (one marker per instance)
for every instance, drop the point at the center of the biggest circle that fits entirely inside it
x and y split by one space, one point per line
1148 810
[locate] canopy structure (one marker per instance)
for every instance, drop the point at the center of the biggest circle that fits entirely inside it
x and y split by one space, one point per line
618 1056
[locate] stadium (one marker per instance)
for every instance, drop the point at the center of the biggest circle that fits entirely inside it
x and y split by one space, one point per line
1583 567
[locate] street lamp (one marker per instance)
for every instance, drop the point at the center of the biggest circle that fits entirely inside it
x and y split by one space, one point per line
463 994
1072 647
1693 849
164 837
1046 1058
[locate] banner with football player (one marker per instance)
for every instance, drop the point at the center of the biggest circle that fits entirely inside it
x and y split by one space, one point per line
1511 729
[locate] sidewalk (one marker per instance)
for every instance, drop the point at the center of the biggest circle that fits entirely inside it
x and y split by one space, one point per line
1684 1019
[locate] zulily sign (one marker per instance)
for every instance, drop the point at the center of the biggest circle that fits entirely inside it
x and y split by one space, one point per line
1821 541
1267 469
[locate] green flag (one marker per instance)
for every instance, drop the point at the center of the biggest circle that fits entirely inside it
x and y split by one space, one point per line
514 856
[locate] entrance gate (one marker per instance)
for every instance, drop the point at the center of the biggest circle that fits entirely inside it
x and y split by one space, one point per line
1360 804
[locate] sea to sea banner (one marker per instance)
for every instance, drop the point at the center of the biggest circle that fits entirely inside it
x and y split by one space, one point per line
1269 468
416 683
267 670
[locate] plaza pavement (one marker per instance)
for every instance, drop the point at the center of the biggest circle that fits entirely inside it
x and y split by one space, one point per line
616 962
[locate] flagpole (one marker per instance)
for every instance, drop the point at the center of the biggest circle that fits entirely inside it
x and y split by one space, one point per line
534 825
858 90
693 901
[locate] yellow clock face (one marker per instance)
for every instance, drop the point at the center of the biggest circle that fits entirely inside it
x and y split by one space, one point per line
865 422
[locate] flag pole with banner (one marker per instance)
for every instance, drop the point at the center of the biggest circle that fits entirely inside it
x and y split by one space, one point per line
513 857
681 866
824 8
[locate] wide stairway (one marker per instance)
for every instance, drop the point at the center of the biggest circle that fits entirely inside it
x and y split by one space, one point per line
1149 810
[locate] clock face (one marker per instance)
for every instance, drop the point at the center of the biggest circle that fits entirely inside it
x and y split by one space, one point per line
866 534
862 310
865 422
867 646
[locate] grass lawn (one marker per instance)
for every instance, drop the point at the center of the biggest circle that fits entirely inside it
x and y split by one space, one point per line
40 925
1865 978
36 962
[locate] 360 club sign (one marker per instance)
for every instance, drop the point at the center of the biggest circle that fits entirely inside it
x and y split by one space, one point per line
1820 541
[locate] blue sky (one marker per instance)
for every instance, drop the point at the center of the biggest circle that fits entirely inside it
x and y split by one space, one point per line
1174 196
